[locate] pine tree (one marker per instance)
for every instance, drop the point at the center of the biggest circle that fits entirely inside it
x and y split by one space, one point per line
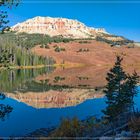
4 15
5 58
4 109
120 90
129 90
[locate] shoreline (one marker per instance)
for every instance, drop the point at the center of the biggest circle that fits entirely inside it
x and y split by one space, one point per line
67 65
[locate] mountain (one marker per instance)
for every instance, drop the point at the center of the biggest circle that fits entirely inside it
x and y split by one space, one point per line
58 26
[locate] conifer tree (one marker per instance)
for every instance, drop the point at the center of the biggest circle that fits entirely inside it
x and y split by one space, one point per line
4 109
129 90
120 90
5 58
4 15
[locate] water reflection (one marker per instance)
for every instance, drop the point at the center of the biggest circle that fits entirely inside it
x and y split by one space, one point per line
54 88
57 88
79 77
40 98
55 98
5 110
12 80
25 119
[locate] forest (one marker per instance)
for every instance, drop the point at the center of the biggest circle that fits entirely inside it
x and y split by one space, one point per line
15 51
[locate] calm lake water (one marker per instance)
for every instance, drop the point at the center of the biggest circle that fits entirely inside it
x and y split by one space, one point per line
41 98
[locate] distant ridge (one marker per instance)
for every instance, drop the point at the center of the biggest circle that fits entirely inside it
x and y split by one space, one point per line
58 26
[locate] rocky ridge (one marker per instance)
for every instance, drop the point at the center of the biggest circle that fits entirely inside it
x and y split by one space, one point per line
58 26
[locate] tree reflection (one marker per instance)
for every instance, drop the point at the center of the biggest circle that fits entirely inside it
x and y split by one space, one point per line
4 109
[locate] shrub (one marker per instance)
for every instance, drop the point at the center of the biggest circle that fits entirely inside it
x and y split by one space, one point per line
47 46
68 128
83 50
59 49
85 41
65 40
58 78
134 124
42 46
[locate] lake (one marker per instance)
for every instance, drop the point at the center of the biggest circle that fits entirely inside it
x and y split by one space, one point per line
40 98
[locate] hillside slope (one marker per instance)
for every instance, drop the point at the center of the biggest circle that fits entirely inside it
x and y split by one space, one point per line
89 52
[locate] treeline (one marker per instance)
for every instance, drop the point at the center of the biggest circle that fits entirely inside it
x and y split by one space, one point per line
13 54
114 43
30 40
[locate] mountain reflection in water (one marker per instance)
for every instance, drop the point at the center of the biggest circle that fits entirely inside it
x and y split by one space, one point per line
53 88
41 97
55 99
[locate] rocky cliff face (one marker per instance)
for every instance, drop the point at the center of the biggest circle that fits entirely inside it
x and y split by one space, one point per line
58 26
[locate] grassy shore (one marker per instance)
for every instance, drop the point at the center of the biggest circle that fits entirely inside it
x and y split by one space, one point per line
41 66
66 65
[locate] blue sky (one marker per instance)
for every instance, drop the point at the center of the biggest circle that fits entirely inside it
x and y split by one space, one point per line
117 17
